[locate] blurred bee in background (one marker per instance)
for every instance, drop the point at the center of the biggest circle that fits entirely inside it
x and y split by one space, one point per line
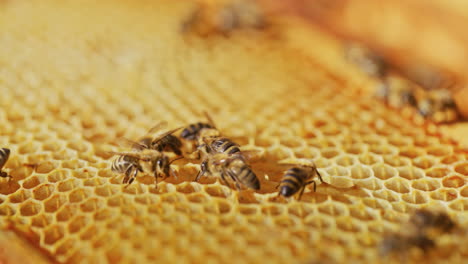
229 168
438 106
369 62
222 17
296 180
192 131
4 155
421 231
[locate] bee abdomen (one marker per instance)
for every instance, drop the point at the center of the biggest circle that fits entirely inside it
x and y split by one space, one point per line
4 155
191 132
225 145
249 179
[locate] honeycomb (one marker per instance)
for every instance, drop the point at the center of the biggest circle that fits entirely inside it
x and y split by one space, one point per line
77 75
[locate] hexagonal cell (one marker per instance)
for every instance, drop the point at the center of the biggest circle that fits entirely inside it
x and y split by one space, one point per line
333 209
462 168
41 220
54 203
439 151
346 160
453 181
59 175
20 196
106 190
78 223
411 152
79 195
424 162
46 166
330 153
32 182
464 191
397 161
198 198
369 158
386 195
67 185
398 185
273 210
52 145
355 149
319 222
30 208
383 171
444 194
410 173
348 224
451 159
91 205
361 213
360 172
79 146
425 184
415 197
66 212
369 184
306 153
53 234
64 247
291 142
72 164
43 191
29 147
383 149
459 205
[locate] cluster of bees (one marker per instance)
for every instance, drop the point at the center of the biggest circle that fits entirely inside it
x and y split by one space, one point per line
220 157
420 232
420 87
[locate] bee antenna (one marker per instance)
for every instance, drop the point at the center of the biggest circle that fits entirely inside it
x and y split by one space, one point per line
178 158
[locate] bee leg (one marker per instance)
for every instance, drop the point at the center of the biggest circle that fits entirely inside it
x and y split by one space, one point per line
132 178
203 170
315 184
320 176
301 193
223 179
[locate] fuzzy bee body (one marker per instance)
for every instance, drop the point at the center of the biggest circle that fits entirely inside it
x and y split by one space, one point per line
225 145
296 179
231 167
168 142
128 165
4 155
193 131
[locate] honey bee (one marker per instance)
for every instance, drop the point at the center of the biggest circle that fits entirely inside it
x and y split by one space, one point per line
438 105
396 243
163 142
128 165
424 220
222 17
368 61
229 167
192 132
4 155
296 179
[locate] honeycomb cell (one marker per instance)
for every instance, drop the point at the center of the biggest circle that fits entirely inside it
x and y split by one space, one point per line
439 151
67 185
361 213
410 173
459 204
53 203
451 159
91 205
445 194
462 168
386 195
424 162
53 234
79 195
43 191
78 223
46 167
347 224
66 212
41 220
332 209
397 161
20 196
318 222
415 197
369 184
58 175
411 152
346 160
383 171
453 181
30 208
425 184
361 172
330 153
31 182
464 191
369 159
397 185
383 150
438 172
355 149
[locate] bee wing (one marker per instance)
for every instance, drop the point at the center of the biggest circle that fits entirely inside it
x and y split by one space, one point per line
158 127
248 154
210 120
125 142
159 137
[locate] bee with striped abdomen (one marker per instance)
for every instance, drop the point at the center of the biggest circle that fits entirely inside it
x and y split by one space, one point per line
4 155
128 165
160 142
192 132
229 168
296 179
